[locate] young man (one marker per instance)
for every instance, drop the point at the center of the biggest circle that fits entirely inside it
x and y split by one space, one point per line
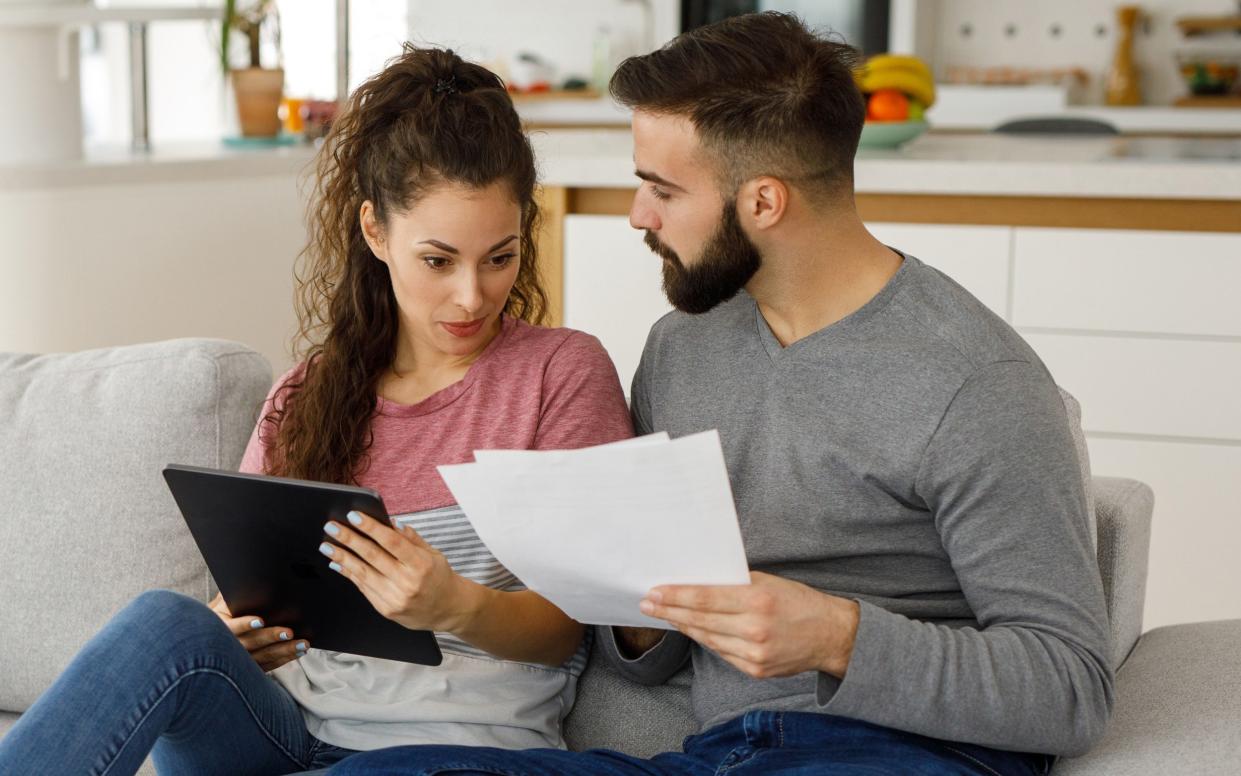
925 597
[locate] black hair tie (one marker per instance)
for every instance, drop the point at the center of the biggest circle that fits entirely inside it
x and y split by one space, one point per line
446 85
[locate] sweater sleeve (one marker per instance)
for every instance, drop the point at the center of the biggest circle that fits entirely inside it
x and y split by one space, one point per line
1001 479
582 403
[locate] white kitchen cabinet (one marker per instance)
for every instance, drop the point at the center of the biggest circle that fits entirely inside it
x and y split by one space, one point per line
1127 281
1119 318
612 282
612 286
1196 533
977 257
1144 385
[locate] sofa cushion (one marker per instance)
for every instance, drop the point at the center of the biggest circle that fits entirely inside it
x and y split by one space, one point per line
612 712
1178 702
87 519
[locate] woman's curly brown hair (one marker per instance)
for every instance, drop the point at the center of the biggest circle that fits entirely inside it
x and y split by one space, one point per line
429 118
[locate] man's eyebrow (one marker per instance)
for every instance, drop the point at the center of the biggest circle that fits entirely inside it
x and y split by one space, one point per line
443 246
653 178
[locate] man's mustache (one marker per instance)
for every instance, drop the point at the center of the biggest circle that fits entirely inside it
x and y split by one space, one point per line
659 249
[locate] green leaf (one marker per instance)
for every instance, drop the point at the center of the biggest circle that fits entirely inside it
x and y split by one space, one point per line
226 28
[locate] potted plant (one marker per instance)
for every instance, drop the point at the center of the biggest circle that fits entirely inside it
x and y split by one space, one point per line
258 89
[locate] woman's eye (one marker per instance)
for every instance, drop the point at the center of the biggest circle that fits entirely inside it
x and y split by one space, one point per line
435 262
503 260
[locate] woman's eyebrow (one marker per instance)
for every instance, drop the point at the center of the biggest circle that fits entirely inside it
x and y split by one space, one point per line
443 246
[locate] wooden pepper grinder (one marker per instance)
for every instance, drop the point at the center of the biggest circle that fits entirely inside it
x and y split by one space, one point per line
1122 79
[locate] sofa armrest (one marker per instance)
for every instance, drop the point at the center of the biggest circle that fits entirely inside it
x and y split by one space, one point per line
1123 509
1178 706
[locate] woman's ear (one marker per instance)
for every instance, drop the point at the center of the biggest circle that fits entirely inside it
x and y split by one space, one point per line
372 231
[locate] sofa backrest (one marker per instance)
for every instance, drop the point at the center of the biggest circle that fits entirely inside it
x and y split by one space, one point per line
87 520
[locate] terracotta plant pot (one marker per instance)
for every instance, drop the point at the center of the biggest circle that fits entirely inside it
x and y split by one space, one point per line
258 92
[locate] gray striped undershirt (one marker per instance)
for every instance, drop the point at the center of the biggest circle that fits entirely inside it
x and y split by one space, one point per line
448 530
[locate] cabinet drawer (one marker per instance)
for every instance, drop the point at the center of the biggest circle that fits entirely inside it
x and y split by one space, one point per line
974 256
1196 533
1148 386
1117 280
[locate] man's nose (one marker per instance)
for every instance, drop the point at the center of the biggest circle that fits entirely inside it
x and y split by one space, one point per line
641 215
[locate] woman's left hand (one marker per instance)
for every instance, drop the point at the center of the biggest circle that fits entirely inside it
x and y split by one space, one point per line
405 579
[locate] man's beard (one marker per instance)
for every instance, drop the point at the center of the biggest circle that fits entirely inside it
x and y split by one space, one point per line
726 263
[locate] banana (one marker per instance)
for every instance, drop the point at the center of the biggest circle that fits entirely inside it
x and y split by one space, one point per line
899 62
906 81
906 74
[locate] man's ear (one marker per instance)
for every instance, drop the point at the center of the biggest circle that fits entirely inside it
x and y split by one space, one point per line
763 201
372 231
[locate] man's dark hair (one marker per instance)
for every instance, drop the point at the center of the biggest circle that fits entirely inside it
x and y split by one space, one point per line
766 95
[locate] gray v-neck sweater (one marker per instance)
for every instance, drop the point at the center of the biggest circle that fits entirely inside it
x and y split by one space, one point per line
914 456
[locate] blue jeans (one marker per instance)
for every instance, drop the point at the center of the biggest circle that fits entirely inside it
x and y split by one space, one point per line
164 677
759 742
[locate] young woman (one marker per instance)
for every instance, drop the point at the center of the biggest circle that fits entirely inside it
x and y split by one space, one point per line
418 302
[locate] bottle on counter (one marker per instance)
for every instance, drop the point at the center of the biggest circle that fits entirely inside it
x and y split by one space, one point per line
1123 82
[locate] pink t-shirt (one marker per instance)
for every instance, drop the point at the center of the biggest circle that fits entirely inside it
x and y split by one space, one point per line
531 389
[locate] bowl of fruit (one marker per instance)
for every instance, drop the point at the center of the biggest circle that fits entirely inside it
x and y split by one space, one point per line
898 91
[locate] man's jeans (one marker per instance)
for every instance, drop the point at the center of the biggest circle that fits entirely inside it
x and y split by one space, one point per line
165 676
759 742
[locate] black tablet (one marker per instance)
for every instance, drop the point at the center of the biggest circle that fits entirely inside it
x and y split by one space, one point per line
260 537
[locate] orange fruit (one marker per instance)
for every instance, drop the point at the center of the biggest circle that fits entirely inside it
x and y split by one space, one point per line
887 105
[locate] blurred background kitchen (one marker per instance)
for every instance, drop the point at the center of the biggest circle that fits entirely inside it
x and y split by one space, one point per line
1074 163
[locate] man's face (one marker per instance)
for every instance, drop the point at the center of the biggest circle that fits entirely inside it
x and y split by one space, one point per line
707 256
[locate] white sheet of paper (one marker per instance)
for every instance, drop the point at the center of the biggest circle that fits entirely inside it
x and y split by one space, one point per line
593 530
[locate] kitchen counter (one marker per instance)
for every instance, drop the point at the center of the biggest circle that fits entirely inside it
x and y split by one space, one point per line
943 164
981 164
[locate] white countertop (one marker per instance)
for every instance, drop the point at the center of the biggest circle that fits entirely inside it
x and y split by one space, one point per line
981 164
976 109
996 165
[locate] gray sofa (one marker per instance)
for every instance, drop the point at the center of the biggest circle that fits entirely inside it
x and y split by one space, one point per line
88 524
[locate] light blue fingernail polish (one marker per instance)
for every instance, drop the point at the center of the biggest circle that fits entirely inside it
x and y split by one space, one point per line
334 566
332 529
326 549
301 647
284 635
354 518
256 623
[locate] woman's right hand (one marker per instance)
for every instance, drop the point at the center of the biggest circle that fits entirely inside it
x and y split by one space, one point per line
270 647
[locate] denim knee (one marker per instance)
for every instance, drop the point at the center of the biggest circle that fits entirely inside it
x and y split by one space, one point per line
169 619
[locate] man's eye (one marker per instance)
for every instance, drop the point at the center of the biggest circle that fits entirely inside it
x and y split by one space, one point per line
502 260
659 193
436 262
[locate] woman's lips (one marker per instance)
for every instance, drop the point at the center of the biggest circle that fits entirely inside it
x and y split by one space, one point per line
466 329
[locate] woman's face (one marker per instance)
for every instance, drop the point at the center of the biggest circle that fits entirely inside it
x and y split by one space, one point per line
453 258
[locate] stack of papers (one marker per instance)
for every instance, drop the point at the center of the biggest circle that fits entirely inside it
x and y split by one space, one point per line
593 530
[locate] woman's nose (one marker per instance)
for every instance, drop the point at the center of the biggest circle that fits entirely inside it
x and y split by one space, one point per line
468 294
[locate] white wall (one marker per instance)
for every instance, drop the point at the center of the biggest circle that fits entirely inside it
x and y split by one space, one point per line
101 265
560 31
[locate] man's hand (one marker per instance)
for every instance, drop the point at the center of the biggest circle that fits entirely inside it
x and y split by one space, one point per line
769 628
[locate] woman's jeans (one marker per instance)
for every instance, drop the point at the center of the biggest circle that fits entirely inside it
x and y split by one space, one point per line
759 742
164 677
